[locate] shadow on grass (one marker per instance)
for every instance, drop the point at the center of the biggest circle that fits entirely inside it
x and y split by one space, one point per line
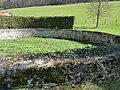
79 41
85 27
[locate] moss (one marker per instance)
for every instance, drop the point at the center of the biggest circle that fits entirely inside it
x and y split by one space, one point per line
38 75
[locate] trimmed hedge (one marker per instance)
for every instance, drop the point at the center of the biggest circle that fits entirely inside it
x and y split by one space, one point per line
65 22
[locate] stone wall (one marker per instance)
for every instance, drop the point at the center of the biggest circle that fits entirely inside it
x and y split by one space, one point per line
95 71
77 35
75 70
99 69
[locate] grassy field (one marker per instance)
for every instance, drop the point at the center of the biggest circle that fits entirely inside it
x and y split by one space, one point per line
37 45
83 22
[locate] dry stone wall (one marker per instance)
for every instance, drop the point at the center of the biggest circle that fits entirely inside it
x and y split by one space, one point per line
77 35
93 68
95 71
99 69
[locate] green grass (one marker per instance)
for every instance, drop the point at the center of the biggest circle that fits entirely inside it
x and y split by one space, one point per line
37 45
77 10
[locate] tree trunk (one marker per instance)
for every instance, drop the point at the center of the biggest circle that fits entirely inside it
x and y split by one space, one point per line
97 22
98 13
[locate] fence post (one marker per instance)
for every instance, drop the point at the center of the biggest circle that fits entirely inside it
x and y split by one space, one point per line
93 21
116 21
85 21
105 22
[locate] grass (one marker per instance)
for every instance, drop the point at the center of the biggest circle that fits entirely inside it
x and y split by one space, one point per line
44 45
83 22
37 45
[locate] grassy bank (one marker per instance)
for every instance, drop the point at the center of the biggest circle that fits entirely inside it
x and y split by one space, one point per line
110 24
37 45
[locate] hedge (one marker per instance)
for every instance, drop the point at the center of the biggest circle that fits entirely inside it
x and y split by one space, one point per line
65 22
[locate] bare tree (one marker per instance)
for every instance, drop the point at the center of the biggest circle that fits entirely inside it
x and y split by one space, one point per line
98 9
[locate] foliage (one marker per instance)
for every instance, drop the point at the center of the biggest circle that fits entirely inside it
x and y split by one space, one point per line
109 84
40 22
83 22
56 2
41 75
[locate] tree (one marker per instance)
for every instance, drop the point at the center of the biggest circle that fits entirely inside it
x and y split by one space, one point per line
1 2
98 9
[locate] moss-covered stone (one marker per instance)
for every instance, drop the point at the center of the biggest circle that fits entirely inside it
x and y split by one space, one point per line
40 75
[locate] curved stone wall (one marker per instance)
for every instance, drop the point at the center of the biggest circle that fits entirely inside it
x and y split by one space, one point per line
92 37
92 68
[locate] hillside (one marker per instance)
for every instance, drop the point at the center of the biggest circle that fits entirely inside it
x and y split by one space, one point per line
110 24
7 4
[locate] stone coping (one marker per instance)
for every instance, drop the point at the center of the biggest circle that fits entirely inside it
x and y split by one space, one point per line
77 35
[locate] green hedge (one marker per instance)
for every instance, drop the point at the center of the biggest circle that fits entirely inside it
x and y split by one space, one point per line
65 22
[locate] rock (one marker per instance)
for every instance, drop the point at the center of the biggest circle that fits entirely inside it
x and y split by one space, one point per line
100 81
73 85
49 85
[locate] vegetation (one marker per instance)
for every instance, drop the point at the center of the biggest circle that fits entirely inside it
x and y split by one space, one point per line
83 22
38 75
109 84
45 45
35 74
26 3
98 9
49 75
37 45
41 22
61 47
